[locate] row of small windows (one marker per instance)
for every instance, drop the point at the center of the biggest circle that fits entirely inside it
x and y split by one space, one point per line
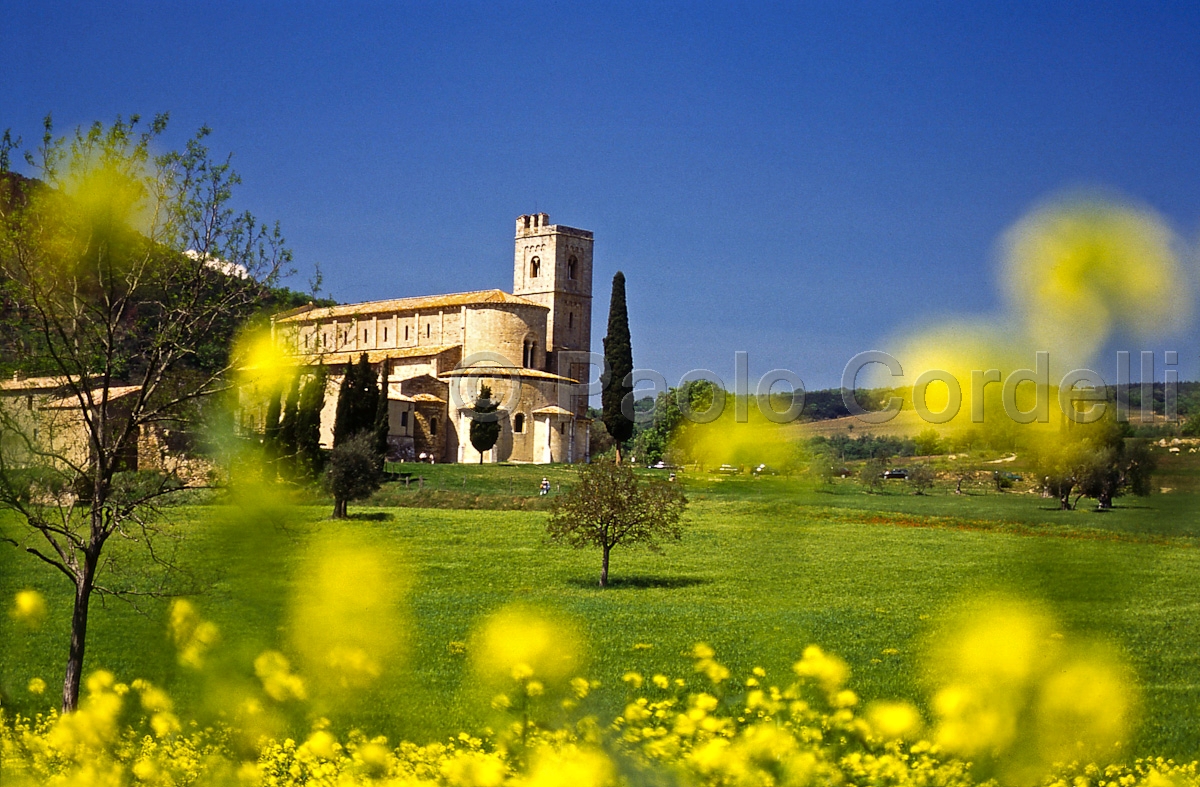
344 336
535 267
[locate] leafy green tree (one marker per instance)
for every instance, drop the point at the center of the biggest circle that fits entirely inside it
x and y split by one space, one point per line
127 271
618 360
354 471
928 443
485 425
920 478
870 474
611 506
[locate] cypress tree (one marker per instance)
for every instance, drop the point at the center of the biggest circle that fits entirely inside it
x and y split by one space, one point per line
287 426
485 425
344 420
271 437
618 358
308 425
382 426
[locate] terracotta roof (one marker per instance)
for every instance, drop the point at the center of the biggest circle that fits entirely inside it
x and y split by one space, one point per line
411 304
553 410
507 371
428 397
375 356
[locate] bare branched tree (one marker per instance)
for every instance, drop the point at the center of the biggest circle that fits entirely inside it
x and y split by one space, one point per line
123 274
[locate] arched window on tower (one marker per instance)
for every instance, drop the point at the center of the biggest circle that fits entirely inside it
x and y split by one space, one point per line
535 268
572 267
519 423
529 355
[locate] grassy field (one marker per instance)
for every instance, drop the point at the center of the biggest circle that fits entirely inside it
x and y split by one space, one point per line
767 566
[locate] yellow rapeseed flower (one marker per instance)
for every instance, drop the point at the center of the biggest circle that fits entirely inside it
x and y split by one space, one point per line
29 608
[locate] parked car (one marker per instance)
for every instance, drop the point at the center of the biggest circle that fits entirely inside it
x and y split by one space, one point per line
896 473
728 470
661 465
765 470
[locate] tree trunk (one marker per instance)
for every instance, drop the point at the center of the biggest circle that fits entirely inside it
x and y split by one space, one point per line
339 509
617 448
84 581
604 568
1064 500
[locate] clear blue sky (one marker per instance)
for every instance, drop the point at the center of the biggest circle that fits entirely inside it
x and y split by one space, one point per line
797 181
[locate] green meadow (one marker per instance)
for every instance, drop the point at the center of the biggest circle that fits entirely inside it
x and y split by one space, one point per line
766 567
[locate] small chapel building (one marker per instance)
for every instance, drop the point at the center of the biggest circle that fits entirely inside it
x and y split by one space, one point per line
433 353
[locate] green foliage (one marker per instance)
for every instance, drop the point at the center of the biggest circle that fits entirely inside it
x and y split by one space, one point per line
271 442
358 402
928 443
610 506
618 358
485 425
354 471
309 458
287 426
870 474
865 446
920 478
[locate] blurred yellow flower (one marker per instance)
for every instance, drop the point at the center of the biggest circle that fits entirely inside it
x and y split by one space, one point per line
29 608
518 643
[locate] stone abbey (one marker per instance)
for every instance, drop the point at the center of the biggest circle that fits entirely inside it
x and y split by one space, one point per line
433 353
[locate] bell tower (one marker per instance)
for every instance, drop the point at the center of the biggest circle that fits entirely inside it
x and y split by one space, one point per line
552 265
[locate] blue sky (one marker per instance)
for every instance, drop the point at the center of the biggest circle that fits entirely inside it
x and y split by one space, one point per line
797 181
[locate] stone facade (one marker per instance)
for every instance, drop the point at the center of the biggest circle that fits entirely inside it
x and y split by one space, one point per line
434 352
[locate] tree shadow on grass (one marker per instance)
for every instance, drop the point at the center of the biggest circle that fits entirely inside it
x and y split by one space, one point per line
639 581
378 516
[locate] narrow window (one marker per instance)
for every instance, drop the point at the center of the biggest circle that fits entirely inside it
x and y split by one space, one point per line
405 333
385 334
404 419
433 427
572 264
428 329
570 320
519 423
535 268
364 335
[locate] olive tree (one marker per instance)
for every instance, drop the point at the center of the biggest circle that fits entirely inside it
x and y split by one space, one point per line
610 506
123 273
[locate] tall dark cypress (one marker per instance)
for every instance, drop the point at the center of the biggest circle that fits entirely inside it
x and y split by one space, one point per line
345 417
381 426
308 425
271 437
287 426
618 357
